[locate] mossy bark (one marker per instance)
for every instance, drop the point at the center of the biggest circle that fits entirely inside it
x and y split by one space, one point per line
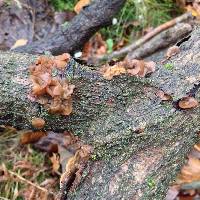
139 141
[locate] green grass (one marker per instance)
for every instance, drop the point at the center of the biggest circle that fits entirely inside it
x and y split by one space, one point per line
137 15
61 5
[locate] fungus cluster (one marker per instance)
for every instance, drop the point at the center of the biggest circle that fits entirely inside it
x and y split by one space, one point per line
133 67
55 93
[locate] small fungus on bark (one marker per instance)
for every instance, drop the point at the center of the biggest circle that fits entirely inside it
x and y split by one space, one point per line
38 123
172 51
163 96
188 102
133 67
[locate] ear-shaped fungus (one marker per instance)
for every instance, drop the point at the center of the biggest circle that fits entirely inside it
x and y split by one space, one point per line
172 51
132 67
61 60
52 92
38 123
163 96
188 102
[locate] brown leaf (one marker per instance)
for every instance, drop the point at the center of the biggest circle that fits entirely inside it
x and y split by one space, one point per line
55 159
52 141
197 147
94 48
31 137
79 6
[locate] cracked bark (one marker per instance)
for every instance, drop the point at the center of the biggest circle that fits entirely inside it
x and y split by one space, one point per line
109 115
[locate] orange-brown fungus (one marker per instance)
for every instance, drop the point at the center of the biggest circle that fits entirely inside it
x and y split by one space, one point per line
61 60
172 51
52 92
38 123
188 102
132 67
163 96
110 71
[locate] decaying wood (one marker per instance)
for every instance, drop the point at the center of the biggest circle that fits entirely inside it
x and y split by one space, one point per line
72 37
130 48
139 141
161 41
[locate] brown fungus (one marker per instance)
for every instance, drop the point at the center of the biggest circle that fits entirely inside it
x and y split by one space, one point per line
172 51
188 102
110 71
52 92
38 123
132 67
163 96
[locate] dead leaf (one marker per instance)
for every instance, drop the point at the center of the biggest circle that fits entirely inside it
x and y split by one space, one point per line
28 137
192 10
55 160
94 48
65 155
190 172
197 147
19 43
52 141
79 6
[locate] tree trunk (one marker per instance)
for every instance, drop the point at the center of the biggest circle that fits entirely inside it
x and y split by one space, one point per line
72 37
139 141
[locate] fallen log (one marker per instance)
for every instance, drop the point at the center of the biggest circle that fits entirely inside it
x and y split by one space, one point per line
139 141
72 37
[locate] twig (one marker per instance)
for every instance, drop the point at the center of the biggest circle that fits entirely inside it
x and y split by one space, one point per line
27 181
122 52
161 41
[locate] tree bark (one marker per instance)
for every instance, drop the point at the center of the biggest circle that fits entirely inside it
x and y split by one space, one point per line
72 38
139 141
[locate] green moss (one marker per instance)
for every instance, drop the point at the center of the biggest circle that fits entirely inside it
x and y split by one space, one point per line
93 157
168 66
150 182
